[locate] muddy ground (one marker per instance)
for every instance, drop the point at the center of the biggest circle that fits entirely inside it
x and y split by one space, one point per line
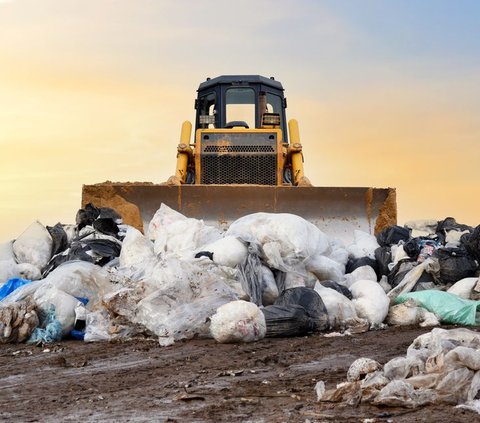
199 381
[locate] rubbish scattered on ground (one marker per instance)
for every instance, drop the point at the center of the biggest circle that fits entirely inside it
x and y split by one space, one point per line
435 363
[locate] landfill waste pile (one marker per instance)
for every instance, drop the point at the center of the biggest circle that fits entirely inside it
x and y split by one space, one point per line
435 363
268 275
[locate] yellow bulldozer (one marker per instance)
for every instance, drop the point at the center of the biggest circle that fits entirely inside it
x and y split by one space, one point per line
244 160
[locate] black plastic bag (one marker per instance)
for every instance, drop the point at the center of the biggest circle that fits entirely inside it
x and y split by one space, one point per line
337 287
449 224
455 264
59 238
310 300
86 216
383 256
471 243
106 225
393 235
287 320
397 274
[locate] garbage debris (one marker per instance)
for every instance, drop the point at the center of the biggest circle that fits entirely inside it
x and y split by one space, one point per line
107 280
50 329
370 301
238 321
297 311
17 321
449 308
434 363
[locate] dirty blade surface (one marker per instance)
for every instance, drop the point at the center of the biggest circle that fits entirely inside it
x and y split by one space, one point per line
336 211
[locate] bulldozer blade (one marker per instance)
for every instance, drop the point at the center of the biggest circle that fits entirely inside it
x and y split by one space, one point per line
336 211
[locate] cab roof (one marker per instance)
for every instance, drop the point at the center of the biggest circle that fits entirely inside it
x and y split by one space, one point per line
238 80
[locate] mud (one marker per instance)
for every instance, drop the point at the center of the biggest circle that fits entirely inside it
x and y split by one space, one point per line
269 381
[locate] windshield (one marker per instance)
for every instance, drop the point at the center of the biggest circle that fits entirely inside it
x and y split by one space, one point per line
240 105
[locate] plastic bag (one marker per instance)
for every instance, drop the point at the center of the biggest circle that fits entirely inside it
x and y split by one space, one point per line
359 274
425 228
101 327
51 330
287 239
465 288
411 278
400 393
393 235
341 311
409 313
364 245
11 285
257 279
455 264
6 251
137 249
63 303
370 301
33 246
59 238
310 301
287 320
238 321
10 269
82 280
178 299
174 233
383 256
354 263
163 217
337 287
448 307
472 243
227 251
17 321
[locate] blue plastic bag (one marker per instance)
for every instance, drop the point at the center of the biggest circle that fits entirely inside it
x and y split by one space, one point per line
11 285
448 307
51 333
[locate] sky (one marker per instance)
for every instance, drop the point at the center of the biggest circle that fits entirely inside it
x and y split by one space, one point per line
387 94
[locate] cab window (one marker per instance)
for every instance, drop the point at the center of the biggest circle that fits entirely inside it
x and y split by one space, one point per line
240 105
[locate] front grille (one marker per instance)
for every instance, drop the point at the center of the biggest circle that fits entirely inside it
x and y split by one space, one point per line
239 149
239 158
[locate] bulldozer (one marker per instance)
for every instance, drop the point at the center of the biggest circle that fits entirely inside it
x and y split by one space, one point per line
245 158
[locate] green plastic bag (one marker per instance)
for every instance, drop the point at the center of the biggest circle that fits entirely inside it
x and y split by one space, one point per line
449 308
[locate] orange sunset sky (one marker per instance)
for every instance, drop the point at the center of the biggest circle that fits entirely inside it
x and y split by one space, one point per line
387 94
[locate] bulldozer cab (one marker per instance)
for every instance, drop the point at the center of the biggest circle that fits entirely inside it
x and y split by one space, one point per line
250 101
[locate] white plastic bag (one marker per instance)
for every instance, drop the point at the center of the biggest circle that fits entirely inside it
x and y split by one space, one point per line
464 287
6 251
364 245
81 279
174 233
238 321
64 305
295 238
370 301
340 309
177 299
10 269
137 249
360 273
227 251
34 246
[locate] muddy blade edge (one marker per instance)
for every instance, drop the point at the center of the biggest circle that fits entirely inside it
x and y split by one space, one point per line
336 211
